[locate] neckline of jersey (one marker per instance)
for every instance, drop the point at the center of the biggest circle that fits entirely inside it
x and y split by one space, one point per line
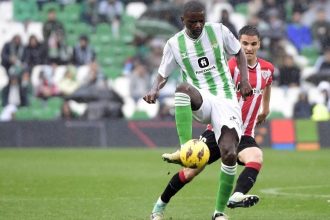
254 66
192 39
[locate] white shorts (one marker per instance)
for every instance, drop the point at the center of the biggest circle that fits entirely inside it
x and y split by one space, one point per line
219 111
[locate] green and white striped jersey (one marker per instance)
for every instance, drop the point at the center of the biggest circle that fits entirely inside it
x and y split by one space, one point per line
202 61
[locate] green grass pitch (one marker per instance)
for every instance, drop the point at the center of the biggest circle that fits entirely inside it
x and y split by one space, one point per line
95 184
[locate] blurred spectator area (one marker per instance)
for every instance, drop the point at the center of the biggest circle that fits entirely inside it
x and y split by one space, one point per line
126 39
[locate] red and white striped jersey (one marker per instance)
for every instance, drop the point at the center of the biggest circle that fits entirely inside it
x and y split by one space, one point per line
260 76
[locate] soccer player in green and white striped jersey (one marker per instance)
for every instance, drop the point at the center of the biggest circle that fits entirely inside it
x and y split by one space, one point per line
207 93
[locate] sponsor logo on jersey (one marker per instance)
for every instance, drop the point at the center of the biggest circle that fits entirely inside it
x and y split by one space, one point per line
203 62
265 73
205 70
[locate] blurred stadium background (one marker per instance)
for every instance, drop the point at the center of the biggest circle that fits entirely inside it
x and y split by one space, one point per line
73 65
73 73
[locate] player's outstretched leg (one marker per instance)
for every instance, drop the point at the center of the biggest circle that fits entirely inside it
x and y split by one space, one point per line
172 157
219 216
244 183
228 142
175 184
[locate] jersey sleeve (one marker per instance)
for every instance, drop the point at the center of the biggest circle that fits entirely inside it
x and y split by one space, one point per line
168 64
231 65
231 44
270 79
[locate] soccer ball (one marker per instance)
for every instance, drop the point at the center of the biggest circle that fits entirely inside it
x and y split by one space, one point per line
194 154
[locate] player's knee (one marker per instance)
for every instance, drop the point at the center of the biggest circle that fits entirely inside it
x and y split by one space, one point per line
228 154
190 173
183 88
258 156
254 155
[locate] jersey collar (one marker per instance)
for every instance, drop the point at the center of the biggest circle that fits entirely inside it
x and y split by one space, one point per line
253 66
192 39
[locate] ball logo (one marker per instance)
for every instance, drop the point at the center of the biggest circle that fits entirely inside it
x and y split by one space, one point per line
189 153
200 154
203 62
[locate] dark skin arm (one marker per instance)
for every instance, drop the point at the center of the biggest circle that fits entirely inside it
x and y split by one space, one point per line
245 87
152 95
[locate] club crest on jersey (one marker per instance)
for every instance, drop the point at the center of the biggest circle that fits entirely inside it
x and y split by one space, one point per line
184 55
265 73
214 45
203 62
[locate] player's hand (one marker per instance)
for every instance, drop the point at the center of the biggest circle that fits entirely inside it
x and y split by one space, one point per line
245 89
151 97
261 118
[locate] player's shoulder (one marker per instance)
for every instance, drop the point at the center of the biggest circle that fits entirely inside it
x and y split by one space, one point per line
232 62
213 24
265 64
174 38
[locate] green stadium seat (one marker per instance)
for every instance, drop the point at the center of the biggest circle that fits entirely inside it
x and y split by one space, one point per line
51 5
73 9
140 115
242 8
24 113
25 10
275 114
112 72
311 53
103 29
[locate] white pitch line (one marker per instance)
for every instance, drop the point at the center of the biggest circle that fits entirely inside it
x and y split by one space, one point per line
277 191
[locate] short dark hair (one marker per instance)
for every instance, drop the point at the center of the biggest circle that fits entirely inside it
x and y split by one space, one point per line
248 30
193 6
84 37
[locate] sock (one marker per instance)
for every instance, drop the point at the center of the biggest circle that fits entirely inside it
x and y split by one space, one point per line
176 183
248 177
183 117
227 177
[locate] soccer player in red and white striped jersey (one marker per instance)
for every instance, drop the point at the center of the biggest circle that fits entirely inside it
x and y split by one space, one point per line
260 77
255 109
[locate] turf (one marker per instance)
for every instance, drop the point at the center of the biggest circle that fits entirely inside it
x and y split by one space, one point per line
124 183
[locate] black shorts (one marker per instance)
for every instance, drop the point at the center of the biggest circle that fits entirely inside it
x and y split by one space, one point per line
209 138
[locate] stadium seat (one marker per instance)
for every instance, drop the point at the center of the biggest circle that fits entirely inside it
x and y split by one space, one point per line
82 74
73 9
311 53
35 28
277 100
135 9
139 115
6 11
35 75
59 73
129 107
215 13
315 96
150 110
238 20
121 86
3 78
103 29
242 8
24 113
291 97
51 5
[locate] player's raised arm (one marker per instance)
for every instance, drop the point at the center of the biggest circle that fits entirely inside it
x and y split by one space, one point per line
152 95
166 67
265 105
245 87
